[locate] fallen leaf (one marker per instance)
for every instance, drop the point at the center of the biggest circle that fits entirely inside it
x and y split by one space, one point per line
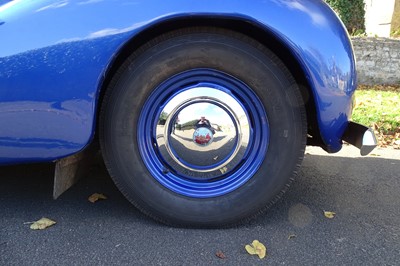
42 224
256 248
220 255
329 215
96 196
292 236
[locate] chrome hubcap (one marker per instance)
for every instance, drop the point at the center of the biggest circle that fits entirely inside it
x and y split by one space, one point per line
203 134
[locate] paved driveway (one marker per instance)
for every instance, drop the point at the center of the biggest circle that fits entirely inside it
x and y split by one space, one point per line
364 192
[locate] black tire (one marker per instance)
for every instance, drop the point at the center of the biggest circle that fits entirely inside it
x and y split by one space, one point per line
220 51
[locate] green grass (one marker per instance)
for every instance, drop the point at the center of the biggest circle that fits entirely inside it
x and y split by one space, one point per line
379 108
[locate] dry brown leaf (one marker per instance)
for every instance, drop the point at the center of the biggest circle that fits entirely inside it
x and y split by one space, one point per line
96 196
256 248
42 224
329 215
220 255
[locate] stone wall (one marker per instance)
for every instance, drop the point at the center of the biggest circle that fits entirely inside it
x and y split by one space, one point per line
378 60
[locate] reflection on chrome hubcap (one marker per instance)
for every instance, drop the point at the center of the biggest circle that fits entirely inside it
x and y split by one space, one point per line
202 136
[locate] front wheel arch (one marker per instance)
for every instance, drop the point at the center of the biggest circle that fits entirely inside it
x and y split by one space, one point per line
248 28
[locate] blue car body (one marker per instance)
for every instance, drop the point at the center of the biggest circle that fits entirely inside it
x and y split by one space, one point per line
56 58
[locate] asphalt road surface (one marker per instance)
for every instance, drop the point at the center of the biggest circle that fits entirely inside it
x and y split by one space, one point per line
364 193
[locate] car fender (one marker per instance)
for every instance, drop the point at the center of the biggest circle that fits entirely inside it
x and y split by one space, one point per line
51 77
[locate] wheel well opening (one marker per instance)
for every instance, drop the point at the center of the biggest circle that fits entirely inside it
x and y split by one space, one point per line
245 27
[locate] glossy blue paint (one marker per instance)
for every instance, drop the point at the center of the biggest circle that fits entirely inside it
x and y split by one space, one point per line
176 179
54 56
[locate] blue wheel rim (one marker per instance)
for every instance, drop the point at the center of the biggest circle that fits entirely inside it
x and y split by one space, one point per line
236 166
